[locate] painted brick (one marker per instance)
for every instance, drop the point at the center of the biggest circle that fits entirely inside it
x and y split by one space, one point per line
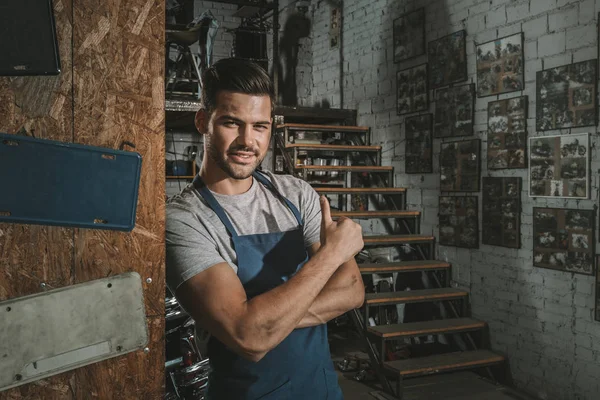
495 18
582 36
563 19
551 44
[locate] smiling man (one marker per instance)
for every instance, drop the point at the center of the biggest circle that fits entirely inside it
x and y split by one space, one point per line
255 258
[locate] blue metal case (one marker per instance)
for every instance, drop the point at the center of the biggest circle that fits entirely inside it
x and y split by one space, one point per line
55 183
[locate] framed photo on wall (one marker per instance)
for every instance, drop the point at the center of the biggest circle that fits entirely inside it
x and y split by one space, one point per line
563 239
419 144
559 166
460 166
597 311
409 35
454 111
507 133
501 215
500 66
448 59
412 92
566 96
459 221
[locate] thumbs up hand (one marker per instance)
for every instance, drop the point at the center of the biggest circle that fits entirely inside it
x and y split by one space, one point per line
342 237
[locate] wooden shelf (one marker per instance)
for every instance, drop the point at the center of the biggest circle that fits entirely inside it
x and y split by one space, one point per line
414 296
440 326
181 177
324 128
331 147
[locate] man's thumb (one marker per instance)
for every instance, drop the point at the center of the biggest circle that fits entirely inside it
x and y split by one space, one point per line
325 211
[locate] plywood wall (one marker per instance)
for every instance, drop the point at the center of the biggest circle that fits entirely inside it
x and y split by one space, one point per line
110 90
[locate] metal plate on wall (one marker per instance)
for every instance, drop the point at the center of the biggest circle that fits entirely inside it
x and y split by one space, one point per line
55 183
59 330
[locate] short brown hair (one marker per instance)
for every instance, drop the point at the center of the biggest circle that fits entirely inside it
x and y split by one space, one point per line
235 75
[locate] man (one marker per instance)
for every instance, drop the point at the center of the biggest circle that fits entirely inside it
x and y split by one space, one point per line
255 258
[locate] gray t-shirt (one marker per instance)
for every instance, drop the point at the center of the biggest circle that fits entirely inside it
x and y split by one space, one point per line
197 239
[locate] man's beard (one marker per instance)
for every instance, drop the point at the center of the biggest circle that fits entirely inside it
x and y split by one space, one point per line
235 171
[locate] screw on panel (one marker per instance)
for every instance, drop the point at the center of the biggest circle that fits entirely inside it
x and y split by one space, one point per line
148 280
146 350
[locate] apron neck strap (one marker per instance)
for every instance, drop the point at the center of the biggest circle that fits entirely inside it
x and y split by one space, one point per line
263 179
214 205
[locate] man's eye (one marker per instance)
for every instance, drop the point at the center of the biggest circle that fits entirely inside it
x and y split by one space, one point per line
261 127
230 123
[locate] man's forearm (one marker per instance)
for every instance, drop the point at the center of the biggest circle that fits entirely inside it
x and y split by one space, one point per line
343 292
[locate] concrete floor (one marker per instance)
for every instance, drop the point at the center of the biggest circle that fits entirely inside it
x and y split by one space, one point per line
455 386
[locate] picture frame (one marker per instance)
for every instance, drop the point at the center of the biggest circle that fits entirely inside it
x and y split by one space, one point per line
501 211
597 310
507 133
412 93
564 239
419 144
566 96
448 59
459 221
559 166
460 166
500 66
409 35
454 111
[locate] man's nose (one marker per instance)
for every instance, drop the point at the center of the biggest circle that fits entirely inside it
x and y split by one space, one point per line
246 135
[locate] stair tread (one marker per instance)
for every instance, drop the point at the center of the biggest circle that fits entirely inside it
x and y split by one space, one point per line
332 147
427 327
396 239
382 190
372 214
443 362
400 266
415 295
317 127
347 167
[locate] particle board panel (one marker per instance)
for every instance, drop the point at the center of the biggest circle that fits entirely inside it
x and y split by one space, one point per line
118 70
32 255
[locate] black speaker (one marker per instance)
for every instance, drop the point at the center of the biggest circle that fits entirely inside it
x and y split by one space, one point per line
28 43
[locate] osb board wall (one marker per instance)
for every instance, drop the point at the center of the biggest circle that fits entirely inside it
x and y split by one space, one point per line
110 90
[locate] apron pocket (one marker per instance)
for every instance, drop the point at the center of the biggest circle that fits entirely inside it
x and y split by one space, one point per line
283 392
333 388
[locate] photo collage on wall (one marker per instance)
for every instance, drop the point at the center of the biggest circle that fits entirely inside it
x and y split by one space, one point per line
501 212
413 95
460 166
507 133
564 239
500 66
454 111
419 144
459 221
559 166
409 35
566 96
448 60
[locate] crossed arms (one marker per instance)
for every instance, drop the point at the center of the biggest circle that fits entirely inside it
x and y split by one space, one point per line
328 285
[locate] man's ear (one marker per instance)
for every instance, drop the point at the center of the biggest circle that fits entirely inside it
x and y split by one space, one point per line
201 121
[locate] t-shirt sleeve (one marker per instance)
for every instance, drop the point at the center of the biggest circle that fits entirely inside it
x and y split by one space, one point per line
312 215
190 249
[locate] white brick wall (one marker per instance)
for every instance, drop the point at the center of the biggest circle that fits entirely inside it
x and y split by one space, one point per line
541 319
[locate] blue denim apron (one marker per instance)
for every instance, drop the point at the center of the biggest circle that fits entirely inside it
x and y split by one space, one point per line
300 367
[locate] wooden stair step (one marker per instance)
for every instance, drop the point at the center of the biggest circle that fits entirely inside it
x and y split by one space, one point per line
323 128
402 266
376 240
376 214
332 147
442 363
371 190
347 168
414 296
440 326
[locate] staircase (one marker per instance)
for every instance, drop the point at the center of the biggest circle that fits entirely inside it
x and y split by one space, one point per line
469 348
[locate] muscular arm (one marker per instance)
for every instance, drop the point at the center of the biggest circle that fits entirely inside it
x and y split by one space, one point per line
343 292
216 299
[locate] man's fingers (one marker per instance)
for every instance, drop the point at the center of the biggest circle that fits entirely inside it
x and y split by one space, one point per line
325 211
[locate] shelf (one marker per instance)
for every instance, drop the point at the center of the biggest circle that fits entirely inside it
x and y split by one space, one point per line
324 128
331 147
180 177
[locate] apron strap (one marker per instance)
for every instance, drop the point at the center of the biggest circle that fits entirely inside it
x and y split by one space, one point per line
265 181
214 204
